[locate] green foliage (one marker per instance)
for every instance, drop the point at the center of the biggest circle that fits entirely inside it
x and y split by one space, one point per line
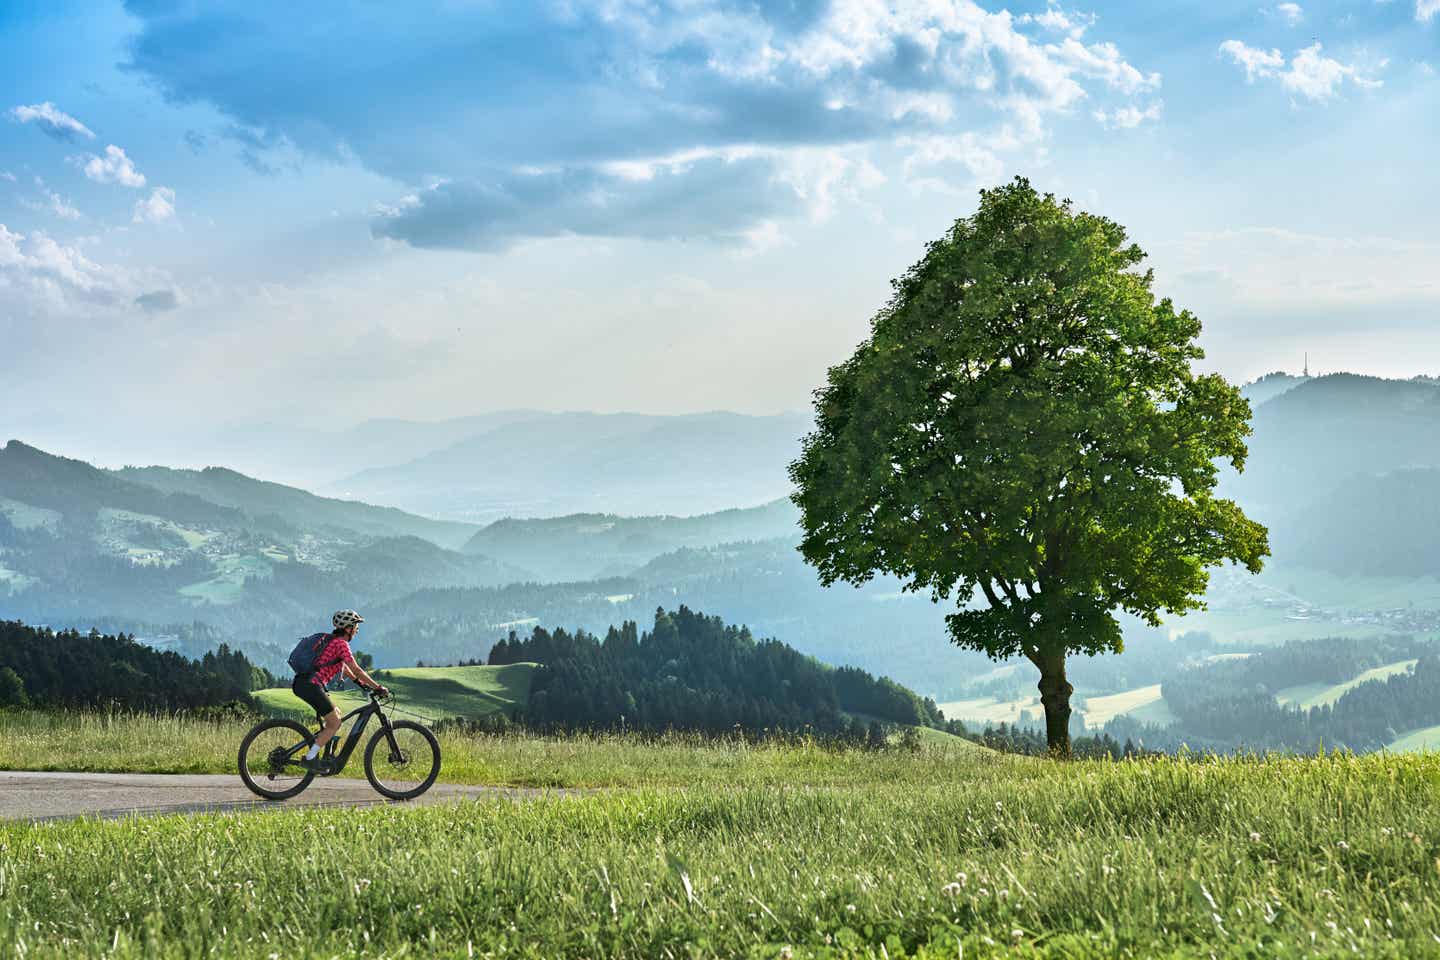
1023 421
693 672
12 689
71 669
982 858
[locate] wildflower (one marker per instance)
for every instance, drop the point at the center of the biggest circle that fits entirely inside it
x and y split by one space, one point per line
1254 837
961 877
849 908
951 889
786 953
1018 934
1342 845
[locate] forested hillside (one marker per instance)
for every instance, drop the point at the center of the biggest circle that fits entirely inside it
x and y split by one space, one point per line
39 667
693 672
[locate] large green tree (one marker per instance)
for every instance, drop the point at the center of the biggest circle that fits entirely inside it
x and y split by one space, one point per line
1023 431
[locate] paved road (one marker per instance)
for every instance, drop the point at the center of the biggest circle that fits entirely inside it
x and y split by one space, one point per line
62 796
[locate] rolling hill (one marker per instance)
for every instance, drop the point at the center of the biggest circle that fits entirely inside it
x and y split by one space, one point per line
78 544
260 498
593 546
432 692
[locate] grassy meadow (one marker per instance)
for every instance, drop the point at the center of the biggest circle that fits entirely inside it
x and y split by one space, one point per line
434 692
772 853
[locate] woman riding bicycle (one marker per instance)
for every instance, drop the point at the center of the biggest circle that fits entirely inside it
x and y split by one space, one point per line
334 656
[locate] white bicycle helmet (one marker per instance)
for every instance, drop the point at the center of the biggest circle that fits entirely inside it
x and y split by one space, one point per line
346 618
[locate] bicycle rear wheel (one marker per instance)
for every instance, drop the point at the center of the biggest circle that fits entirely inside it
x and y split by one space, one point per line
403 762
269 759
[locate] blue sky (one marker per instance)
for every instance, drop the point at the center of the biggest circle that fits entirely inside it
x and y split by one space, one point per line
222 212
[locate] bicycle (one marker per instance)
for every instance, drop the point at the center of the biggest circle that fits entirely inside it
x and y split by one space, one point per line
402 759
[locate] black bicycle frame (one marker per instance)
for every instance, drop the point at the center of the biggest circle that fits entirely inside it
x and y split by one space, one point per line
339 759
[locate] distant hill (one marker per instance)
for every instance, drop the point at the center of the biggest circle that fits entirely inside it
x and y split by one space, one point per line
78 542
309 457
1378 526
260 498
74 488
593 545
1318 435
632 464
1270 386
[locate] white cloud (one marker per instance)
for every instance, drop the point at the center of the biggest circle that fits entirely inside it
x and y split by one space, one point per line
54 203
1102 61
1060 20
1291 13
6 175
114 167
1129 116
1257 62
721 75
1311 74
55 272
51 119
1317 77
160 205
1425 10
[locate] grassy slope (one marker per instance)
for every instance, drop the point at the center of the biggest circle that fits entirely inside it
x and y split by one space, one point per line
433 692
1309 695
1417 741
929 854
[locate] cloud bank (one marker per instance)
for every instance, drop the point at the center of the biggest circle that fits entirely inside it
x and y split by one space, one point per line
544 109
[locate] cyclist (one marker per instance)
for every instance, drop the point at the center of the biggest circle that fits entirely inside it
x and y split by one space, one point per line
334 657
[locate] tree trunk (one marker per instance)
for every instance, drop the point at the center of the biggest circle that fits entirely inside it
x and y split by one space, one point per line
1055 693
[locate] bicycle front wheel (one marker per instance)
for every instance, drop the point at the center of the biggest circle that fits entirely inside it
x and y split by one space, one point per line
403 761
269 759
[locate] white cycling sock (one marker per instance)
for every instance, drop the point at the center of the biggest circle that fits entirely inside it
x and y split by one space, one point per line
313 752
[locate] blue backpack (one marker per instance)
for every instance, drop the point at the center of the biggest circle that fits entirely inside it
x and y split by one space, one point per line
302 658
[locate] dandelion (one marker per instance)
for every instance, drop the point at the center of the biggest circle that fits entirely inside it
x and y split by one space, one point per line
849 908
1018 934
961 877
951 889
786 953
1342 845
1254 837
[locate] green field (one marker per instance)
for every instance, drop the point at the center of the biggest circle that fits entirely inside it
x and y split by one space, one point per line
1308 695
724 850
1143 703
432 692
1417 741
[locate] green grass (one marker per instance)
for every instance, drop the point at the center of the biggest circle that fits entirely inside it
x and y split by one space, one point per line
433 692
1309 695
927 854
137 744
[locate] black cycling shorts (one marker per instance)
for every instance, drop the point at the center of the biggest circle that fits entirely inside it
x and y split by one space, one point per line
313 694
